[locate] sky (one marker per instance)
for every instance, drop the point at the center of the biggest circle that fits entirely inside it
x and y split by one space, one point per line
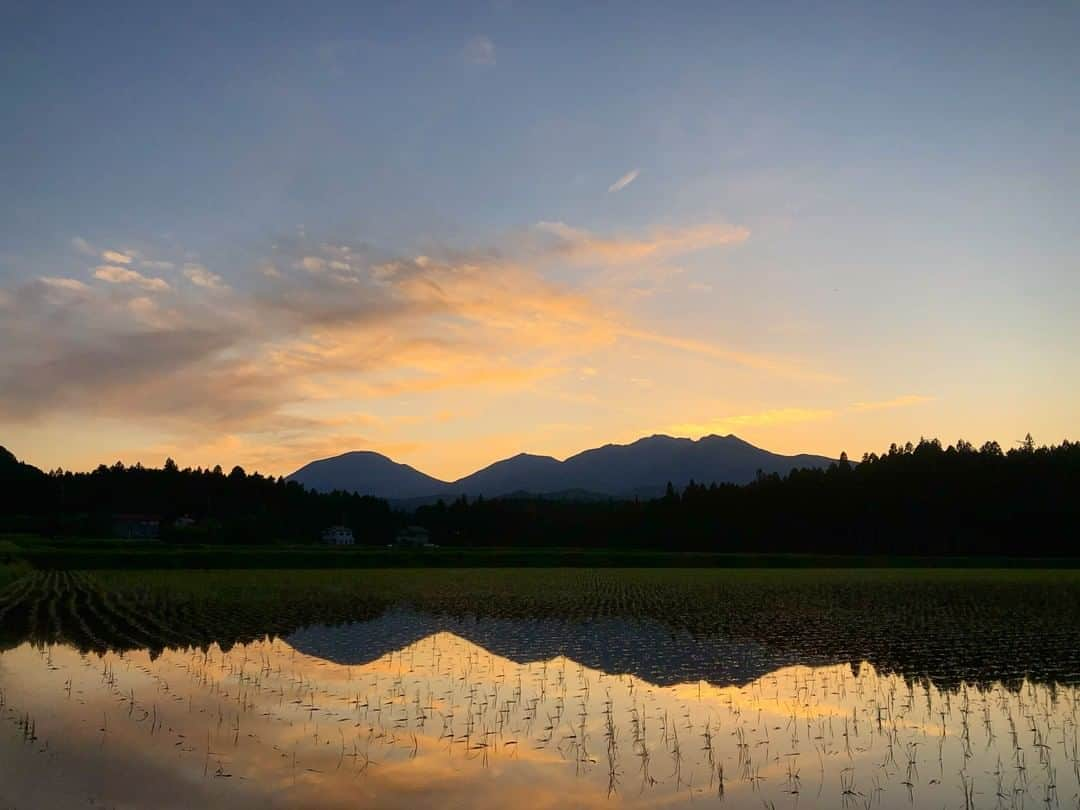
452 232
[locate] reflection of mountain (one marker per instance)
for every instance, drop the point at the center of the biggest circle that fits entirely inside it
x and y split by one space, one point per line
645 648
664 627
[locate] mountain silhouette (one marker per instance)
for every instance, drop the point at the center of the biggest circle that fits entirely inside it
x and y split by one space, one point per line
642 468
521 473
645 466
368 473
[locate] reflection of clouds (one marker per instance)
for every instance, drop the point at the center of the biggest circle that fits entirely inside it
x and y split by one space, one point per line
404 730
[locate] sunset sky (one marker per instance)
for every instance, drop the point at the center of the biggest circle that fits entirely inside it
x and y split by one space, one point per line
453 232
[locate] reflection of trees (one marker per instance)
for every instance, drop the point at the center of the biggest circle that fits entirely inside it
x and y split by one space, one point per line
662 626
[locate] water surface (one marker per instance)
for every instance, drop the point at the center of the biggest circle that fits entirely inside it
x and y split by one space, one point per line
160 691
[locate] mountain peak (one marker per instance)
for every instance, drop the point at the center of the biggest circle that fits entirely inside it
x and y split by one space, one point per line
730 437
358 454
368 473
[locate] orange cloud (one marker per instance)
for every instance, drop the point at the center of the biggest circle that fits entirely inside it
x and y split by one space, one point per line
775 416
789 416
116 257
260 360
897 402
69 284
748 359
123 275
201 277
271 451
583 247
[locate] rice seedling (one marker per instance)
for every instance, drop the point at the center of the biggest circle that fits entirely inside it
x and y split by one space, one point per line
205 659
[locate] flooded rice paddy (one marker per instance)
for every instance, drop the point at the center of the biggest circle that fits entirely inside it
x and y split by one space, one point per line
540 689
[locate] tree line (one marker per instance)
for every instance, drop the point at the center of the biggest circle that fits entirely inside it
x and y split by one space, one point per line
913 499
191 505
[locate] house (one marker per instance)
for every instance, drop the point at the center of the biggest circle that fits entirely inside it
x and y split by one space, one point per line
338 536
136 527
413 537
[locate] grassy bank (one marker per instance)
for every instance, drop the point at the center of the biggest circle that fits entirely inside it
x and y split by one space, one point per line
481 587
12 564
85 554
11 572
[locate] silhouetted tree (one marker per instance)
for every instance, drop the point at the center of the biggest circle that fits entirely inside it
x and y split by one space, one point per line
238 508
918 499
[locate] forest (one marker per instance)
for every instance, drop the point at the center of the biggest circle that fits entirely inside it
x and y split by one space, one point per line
234 507
922 499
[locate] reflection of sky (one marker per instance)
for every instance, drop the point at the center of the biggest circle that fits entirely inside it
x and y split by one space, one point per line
290 730
391 226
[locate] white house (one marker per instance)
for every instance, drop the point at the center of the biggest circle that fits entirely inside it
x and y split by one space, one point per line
338 536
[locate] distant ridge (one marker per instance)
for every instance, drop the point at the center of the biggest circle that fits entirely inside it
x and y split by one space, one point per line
639 469
368 473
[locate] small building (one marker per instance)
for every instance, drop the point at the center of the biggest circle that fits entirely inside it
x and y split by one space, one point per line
413 537
136 527
338 536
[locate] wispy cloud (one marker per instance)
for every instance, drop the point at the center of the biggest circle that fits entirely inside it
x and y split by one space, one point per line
54 282
115 257
761 362
332 326
768 418
790 416
124 275
896 402
201 277
273 451
624 181
480 51
583 247
229 359
83 246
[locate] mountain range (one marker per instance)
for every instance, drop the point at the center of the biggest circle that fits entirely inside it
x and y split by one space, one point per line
640 469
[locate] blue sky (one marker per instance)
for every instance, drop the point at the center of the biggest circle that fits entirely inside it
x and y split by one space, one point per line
905 177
